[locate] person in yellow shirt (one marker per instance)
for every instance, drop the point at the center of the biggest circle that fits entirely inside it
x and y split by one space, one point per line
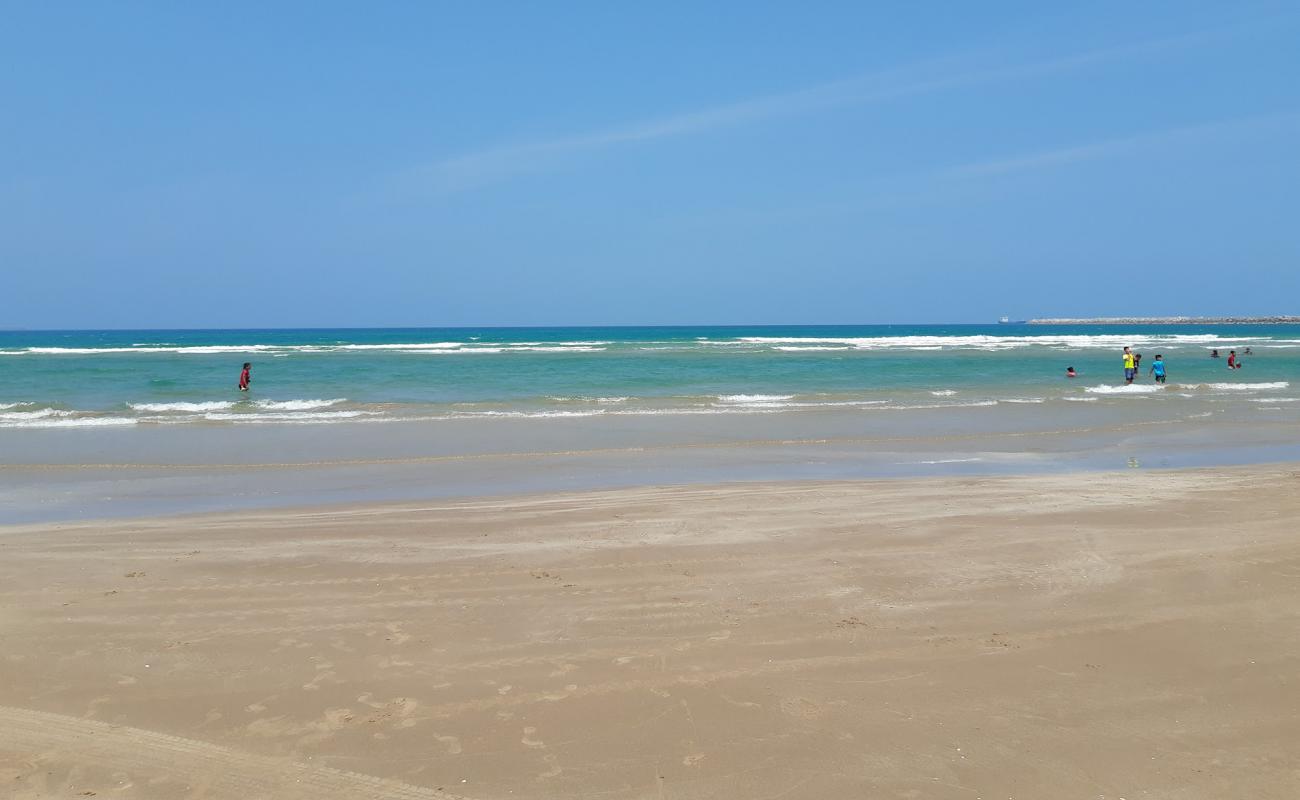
1130 367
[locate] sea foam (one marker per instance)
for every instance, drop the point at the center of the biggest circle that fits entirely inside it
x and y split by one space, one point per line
745 399
988 342
42 413
287 416
1130 388
297 405
154 408
1239 387
64 422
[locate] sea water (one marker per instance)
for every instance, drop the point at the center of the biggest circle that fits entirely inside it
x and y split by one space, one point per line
96 379
127 423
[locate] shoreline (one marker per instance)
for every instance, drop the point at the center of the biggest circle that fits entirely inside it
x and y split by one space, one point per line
469 502
174 470
1123 632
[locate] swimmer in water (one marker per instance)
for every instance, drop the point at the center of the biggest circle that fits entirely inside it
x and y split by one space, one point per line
1158 368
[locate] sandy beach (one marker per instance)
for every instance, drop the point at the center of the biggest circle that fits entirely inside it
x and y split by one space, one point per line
1102 635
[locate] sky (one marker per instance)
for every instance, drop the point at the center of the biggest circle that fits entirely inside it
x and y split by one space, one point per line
323 164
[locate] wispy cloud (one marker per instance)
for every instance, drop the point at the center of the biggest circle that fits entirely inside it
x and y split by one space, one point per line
964 183
497 163
1107 148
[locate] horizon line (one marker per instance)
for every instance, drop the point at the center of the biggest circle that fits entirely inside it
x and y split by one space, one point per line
1172 319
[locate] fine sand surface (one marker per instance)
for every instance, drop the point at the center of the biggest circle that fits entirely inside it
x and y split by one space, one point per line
1119 635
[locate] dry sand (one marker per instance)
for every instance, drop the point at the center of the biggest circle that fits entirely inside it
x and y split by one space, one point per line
1127 635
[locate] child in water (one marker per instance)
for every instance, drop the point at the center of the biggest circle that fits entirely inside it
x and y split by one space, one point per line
1158 368
1070 373
245 377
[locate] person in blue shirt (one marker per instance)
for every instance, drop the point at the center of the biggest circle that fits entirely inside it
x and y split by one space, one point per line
1158 369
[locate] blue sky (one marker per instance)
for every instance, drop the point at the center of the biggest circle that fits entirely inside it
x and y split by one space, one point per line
330 164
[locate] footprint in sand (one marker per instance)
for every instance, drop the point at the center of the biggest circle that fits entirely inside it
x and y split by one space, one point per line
452 743
529 741
554 771
801 707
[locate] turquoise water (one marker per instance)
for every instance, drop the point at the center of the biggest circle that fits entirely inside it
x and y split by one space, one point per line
139 378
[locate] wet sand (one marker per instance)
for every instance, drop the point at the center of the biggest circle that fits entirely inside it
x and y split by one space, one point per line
1097 635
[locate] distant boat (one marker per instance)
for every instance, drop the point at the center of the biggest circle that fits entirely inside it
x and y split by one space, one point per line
1010 321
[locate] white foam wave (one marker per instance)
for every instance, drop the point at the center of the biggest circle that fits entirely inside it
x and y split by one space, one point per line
575 343
153 408
1129 388
42 413
746 399
445 352
297 405
287 416
1025 400
835 404
944 392
951 460
279 350
1273 400
596 412
985 342
926 406
420 346
82 422
1239 387
7 406
809 348
554 349
94 351
1081 399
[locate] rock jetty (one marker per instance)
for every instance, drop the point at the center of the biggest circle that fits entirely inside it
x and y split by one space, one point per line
1280 320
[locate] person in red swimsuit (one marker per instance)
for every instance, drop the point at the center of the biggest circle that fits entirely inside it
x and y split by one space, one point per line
244 377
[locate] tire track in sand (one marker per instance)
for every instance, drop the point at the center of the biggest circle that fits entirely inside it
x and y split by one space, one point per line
215 771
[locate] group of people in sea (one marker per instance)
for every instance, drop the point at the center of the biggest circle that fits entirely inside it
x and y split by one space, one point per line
1133 363
1233 361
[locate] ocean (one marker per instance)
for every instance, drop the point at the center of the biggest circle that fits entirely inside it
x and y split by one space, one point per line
99 424
88 379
